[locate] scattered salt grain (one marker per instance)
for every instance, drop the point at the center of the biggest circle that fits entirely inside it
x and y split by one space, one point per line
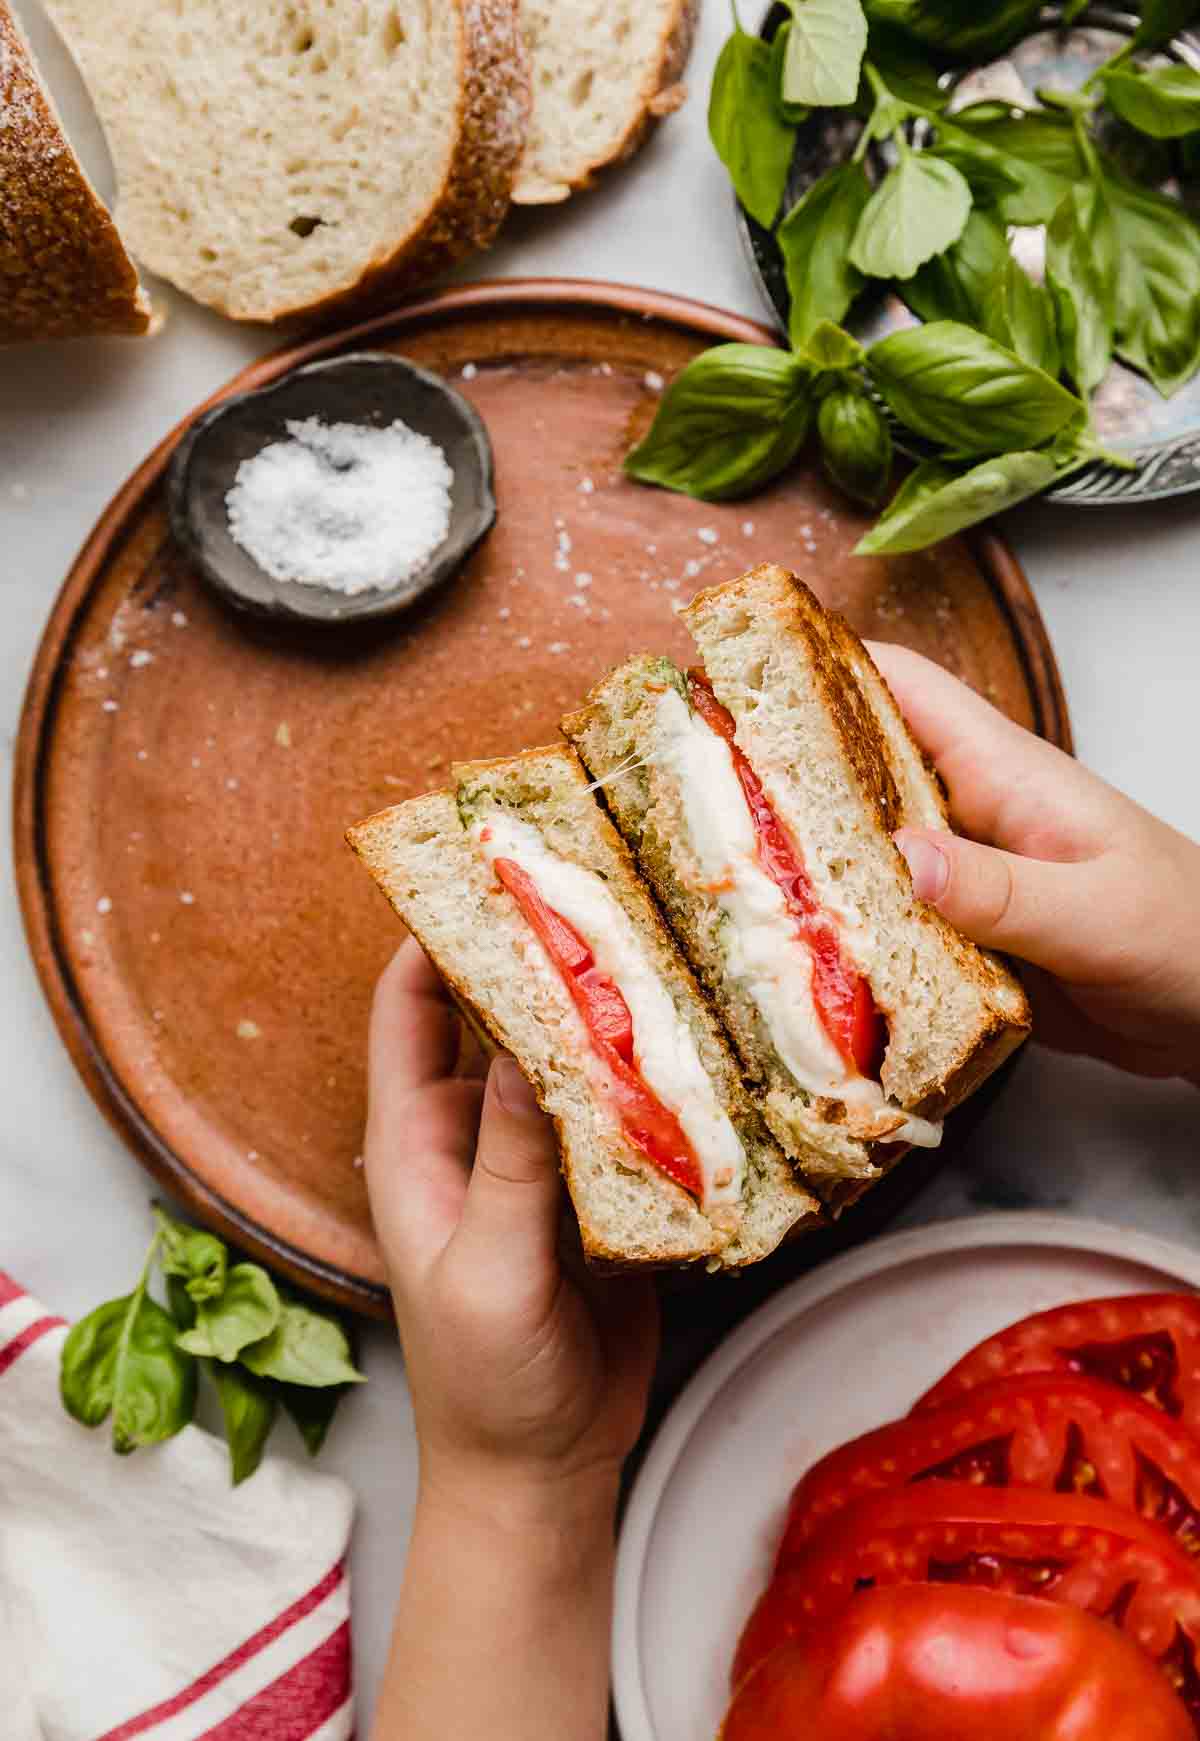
102 672
561 562
248 1030
195 761
156 936
342 505
251 1154
654 380
104 905
706 535
110 706
583 579
87 938
652 550
283 735
564 542
524 641
140 659
143 755
469 371
559 647
178 620
504 613
231 784
691 568
358 1161
187 897
586 486
748 528
577 599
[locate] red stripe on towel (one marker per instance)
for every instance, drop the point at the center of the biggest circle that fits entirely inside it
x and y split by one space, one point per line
9 1291
267 1635
32 1333
300 1702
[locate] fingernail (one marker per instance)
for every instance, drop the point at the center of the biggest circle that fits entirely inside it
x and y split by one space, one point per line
513 1090
928 864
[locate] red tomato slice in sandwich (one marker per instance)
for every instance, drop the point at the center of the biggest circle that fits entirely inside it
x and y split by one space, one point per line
935 1663
1060 1434
649 1125
843 999
1084 1553
1146 1343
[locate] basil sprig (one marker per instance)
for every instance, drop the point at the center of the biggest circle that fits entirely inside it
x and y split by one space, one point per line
262 1348
728 423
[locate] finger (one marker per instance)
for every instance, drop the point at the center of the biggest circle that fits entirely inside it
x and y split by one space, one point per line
1007 786
1051 914
414 1028
513 1198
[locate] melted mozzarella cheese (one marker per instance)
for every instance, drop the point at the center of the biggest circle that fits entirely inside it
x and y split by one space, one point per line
763 950
664 1048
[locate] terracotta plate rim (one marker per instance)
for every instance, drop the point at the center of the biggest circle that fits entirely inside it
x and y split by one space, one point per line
996 560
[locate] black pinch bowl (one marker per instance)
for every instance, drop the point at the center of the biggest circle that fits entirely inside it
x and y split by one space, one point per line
371 388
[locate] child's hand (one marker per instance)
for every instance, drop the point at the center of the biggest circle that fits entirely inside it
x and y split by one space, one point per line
518 1372
1062 871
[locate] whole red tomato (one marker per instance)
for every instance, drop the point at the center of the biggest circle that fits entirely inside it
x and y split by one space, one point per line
934 1663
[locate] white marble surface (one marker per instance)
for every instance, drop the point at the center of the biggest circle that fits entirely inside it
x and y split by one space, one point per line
1118 589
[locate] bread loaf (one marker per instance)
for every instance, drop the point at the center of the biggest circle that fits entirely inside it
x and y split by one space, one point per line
285 159
63 270
602 74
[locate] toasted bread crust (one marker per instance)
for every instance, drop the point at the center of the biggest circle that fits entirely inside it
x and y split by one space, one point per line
64 272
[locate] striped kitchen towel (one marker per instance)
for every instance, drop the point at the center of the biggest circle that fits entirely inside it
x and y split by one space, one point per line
144 1596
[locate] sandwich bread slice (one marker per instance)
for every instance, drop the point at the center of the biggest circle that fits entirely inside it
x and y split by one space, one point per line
760 795
526 899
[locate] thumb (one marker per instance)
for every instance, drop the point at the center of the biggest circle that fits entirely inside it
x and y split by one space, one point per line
513 1198
1030 907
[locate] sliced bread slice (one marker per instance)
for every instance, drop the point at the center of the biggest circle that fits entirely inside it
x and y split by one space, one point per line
289 158
426 857
64 272
776 661
602 75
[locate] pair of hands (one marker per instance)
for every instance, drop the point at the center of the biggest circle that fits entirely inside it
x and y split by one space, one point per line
528 1379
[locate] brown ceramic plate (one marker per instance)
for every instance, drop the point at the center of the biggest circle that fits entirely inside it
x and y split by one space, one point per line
207 943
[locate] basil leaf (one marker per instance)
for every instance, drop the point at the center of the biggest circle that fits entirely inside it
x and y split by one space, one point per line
989 178
198 1259
248 1410
306 1347
122 1359
1158 269
1161 20
795 114
815 240
312 1410
1081 274
823 56
936 501
1072 10
959 388
729 421
831 349
750 136
960 30
1161 101
856 444
1021 316
1038 150
952 285
904 69
248 1310
183 1307
918 210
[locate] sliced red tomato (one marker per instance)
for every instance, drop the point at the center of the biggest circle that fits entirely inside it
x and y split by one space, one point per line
1085 1553
1146 1343
1061 1434
843 998
650 1126
935 1663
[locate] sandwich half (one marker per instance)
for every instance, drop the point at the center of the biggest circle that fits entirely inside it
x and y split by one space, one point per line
760 794
526 899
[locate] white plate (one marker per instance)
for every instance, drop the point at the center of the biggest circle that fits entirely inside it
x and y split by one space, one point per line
839 1352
